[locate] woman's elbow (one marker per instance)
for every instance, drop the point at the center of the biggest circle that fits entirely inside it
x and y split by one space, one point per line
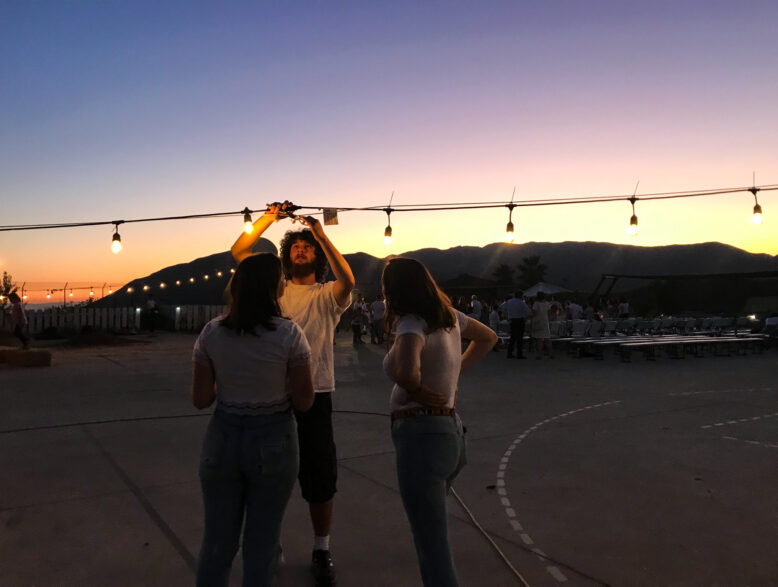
303 404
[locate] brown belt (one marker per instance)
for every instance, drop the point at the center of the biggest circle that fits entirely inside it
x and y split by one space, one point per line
413 412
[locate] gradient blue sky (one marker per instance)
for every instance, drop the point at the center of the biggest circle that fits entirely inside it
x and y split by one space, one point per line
119 110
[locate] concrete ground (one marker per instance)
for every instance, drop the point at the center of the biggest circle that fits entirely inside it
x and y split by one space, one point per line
583 472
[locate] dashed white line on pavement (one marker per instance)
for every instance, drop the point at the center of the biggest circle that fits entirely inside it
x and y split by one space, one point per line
753 442
505 501
730 422
742 390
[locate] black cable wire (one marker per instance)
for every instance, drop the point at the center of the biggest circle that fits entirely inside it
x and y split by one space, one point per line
413 207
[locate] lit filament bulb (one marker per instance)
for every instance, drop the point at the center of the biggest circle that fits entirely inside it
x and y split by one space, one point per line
248 225
633 226
116 243
509 233
388 236
757 217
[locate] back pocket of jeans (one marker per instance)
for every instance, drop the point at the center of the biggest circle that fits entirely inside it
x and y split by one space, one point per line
275 459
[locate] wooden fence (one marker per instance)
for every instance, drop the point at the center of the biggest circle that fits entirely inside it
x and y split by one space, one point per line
183 318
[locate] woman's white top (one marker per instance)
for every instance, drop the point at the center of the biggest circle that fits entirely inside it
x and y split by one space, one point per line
441 358
250 370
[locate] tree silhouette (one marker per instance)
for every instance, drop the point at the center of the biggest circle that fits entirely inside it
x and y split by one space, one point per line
503 275
7 288
531 271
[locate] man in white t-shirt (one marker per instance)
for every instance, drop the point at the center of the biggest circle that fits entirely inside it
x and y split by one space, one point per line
316 307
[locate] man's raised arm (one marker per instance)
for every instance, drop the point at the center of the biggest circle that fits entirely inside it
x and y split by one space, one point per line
344 278
242 247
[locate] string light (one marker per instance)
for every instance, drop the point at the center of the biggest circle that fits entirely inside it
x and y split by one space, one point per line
232 270
91 291
162 285
178 282
71 293
388 229
757 217
191 280
24 297
48 295
110 291
248 225
129 290
145 288
116 243
218 274
633 221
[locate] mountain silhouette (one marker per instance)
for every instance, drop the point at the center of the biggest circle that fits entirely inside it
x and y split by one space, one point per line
574 265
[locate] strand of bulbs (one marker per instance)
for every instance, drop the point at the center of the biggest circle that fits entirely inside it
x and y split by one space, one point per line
248 224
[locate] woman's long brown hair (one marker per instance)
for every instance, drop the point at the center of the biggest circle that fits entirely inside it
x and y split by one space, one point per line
254 294
410 289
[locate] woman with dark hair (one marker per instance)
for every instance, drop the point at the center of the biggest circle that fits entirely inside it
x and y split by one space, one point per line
424 363
256 366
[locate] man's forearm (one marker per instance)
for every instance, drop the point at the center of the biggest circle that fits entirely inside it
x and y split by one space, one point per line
338 263
245 242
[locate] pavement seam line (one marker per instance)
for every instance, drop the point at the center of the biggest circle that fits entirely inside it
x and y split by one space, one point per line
155 516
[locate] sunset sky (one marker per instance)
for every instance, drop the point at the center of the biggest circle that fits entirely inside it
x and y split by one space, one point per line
123 110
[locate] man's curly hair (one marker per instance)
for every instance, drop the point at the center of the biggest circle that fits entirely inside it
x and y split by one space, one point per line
320 266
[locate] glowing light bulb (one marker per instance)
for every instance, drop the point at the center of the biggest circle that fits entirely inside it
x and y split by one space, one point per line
178 282
633 226
509 233
116 243
191 280
145 288
91 292
248 225
162 285
129 290
218 274
757 217
71 294
110 291
232 270
24 297
48 296
388 236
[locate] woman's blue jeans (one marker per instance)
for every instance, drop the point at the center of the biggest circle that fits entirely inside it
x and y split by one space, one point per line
430 453
248 468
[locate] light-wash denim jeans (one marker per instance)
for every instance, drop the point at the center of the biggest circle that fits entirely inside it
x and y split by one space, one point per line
247 469
430 453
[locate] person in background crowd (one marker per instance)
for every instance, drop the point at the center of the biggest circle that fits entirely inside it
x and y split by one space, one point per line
255 365
316 306
494 324
576 311
541 329
475 307
424 363
623 308
377 325
18 319
516 311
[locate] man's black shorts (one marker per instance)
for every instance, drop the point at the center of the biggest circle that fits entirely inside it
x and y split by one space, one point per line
318 463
